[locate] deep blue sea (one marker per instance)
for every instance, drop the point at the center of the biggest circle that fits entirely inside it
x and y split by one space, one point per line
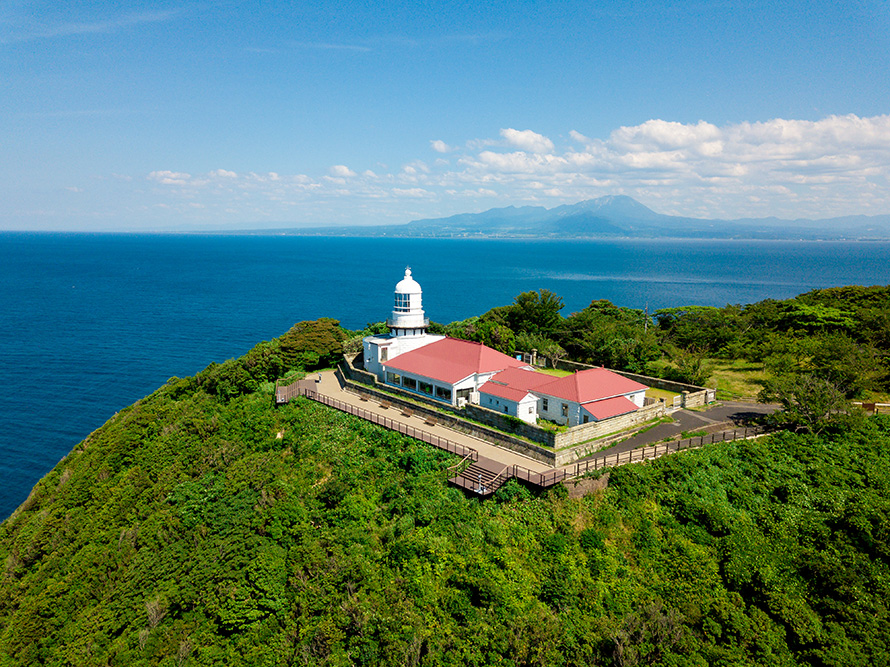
89 323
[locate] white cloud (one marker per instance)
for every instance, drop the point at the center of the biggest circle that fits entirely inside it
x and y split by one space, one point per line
788 168
527 140
37 31
416 193
440 146
341 171
170 177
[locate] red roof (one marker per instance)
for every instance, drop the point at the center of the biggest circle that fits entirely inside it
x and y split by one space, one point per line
521 378
588 385
503 391
451 360
610 407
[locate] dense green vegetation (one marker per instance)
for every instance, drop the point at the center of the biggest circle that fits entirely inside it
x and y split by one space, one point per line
204 526
837 338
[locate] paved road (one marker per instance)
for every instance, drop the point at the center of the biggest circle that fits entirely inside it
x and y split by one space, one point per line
692 420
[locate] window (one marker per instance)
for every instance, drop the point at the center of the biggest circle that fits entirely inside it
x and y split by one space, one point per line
586 419
403 303
544 407
505 408
425 387
384 354
565 409
411 383
531 410
443 393
393 378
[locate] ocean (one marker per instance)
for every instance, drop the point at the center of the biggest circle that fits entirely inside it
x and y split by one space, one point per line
90 323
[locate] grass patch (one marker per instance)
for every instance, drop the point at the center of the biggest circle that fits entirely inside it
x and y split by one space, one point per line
736 378
668 396
558 372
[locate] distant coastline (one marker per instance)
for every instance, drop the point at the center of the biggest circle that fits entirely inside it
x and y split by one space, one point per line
606 218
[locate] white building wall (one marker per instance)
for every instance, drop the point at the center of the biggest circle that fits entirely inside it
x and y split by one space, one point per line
467 383
554 410
525 409
394 346
574 418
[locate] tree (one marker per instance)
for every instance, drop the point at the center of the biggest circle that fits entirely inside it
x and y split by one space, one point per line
807 400
312 344
608 335
692 366
487 332
535 312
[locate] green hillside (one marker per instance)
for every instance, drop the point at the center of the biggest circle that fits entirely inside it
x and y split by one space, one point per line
203 526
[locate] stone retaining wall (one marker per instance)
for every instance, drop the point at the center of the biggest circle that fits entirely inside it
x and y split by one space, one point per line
496 420
584 432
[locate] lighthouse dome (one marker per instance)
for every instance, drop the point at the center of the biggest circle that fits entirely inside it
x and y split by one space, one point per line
408 285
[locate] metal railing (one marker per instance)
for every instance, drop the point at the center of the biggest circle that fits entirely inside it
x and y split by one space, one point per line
556 475
293 391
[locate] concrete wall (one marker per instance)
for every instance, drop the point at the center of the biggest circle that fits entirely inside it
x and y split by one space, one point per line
458 424
357 374
579 434
496 420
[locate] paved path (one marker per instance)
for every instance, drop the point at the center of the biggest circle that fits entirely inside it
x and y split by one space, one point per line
330 386
736 414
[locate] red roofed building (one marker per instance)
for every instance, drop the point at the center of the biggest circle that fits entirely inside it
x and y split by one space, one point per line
589 395
460 371
447 369
510 392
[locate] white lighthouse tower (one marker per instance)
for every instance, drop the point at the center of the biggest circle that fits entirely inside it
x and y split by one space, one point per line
407 313
407 328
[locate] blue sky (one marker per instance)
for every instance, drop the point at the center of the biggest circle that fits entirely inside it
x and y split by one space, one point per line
218 115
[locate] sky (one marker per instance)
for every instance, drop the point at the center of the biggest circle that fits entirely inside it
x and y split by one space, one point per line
144 116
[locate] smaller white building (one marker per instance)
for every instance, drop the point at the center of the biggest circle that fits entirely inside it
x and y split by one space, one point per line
586 396
407 325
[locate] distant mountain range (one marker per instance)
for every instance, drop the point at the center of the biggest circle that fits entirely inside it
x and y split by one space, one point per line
616 216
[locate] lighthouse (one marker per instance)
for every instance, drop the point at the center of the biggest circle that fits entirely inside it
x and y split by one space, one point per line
407 327
407 312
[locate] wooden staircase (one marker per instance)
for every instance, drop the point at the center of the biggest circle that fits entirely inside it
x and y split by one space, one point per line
482 477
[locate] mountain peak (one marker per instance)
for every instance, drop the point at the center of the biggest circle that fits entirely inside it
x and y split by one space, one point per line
620 206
